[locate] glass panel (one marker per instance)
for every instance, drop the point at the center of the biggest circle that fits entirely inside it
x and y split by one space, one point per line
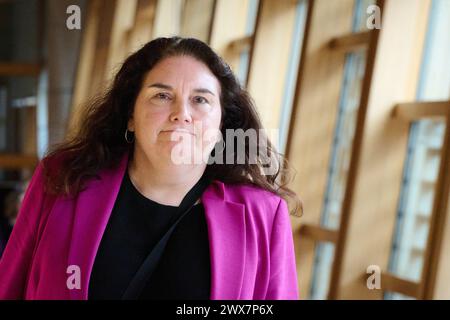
416 201
321 274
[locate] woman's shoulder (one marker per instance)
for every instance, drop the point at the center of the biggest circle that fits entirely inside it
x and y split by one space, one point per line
261 206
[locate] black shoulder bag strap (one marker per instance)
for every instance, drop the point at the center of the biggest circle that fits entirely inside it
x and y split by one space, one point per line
144 273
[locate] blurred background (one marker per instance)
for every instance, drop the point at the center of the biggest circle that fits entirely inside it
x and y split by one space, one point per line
358 89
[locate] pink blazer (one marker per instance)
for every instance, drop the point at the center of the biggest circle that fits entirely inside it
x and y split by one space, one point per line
250 240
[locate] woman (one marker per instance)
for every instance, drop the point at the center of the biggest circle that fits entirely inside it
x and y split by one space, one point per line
125 210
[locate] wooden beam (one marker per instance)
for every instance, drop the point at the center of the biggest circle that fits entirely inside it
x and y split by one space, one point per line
392 283
17 161
317 233
420 110
19 69
351 42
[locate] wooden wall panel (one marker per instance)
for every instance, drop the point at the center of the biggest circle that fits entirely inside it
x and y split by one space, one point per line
313 119
143 27
92 66
85 61
271 52
196 19
167 18
123 22
229 13
371 200
99 71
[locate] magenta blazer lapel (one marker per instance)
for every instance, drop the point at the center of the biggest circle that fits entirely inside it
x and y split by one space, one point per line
91 214
94 206
226 232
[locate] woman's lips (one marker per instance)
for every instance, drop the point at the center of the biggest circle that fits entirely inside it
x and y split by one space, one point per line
180 131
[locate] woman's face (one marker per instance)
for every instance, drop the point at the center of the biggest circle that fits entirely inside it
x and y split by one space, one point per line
177 112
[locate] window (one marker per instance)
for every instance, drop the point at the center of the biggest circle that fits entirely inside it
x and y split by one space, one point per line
423 155
354 68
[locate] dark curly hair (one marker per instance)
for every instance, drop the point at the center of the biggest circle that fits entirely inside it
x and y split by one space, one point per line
98 142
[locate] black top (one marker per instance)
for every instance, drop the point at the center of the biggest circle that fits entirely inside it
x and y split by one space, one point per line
134 228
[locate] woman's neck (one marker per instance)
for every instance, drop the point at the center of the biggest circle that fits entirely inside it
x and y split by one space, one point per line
165 184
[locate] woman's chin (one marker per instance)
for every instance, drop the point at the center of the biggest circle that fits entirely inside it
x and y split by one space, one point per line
175 153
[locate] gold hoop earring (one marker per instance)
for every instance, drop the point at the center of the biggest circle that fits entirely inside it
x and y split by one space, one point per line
126 136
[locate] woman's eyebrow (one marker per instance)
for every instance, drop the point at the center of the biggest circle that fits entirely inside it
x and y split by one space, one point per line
166 86
160 85
204 90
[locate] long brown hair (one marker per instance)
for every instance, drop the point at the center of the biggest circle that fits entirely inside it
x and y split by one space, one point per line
99 143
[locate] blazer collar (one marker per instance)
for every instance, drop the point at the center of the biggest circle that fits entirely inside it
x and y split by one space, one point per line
226 232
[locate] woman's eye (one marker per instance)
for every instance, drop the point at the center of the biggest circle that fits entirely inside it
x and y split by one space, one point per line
162 96
200 100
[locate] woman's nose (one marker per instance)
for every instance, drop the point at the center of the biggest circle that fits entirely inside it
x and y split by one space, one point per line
181 112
